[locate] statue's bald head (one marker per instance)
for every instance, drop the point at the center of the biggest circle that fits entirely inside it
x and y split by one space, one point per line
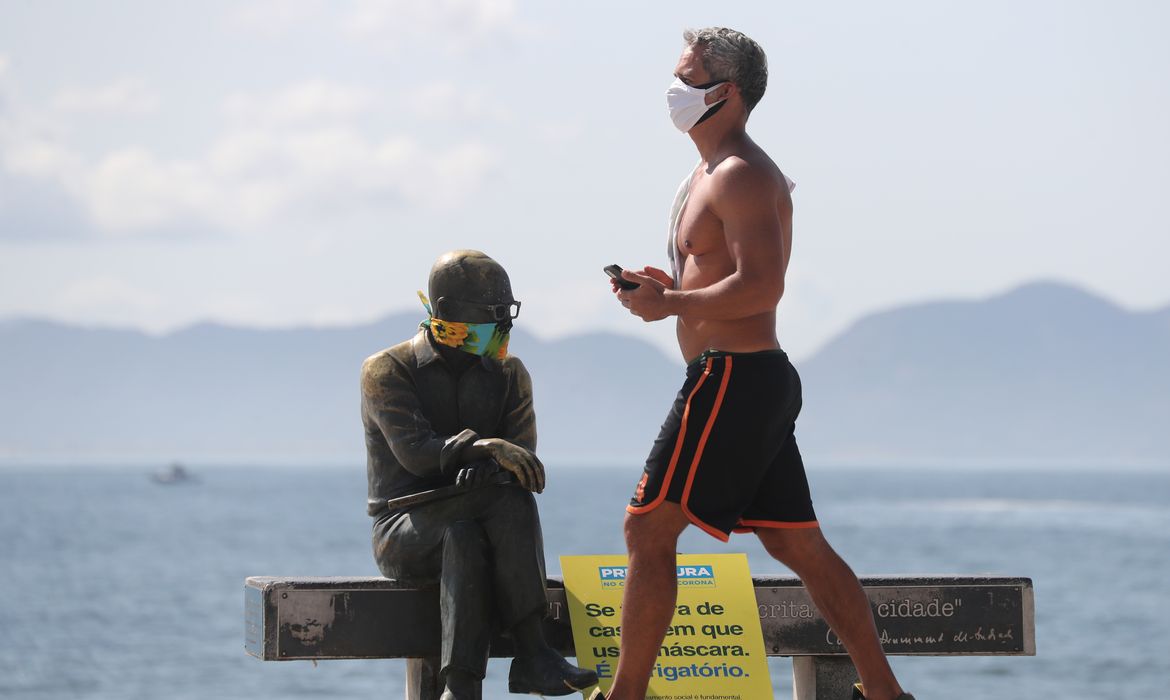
467 276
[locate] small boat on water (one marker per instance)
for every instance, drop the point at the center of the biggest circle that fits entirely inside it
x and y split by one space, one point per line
174 474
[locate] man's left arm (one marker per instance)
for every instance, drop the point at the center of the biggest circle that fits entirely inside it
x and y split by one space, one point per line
750 205
519 423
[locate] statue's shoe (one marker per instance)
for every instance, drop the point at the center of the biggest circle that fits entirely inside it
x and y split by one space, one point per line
547 673
460 686
859 694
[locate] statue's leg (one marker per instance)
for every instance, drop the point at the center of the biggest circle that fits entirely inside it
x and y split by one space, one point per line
465 599
435 544
512 525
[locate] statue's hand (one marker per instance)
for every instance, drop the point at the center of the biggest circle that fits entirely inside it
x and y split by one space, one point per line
527 468
476 473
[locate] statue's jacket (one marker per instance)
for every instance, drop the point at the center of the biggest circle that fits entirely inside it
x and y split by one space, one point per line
419 415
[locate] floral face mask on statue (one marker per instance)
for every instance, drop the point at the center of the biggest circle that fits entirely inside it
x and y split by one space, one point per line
484 339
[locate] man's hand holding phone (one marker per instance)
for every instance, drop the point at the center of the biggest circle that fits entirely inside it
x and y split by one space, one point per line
616 279
644 294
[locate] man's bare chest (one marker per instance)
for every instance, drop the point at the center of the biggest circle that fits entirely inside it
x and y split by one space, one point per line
700 230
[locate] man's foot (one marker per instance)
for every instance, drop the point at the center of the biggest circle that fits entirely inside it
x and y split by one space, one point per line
547 673
458 685
859 694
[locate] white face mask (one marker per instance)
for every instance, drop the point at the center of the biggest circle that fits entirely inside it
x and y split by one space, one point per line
688 104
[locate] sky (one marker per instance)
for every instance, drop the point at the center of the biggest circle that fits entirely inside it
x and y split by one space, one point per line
303 162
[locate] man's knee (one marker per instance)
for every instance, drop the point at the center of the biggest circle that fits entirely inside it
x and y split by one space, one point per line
513 498
794 547
654 532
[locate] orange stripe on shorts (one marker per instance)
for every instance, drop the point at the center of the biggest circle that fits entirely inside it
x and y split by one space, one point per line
682 433
699 453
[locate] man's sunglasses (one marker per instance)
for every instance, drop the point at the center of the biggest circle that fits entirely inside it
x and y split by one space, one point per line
499 311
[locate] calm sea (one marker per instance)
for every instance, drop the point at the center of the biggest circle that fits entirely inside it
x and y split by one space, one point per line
112 586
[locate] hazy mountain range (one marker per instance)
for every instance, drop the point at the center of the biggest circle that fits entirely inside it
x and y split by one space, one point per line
1044 374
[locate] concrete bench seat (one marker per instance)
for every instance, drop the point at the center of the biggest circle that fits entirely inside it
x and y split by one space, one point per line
320 618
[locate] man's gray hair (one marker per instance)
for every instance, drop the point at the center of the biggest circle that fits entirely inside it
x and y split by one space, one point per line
733 56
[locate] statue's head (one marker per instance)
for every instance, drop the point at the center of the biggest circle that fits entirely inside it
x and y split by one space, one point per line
471 306
469 287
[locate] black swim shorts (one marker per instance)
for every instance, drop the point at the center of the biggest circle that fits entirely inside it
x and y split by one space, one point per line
726 452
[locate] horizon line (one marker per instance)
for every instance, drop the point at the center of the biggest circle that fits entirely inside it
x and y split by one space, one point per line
383 316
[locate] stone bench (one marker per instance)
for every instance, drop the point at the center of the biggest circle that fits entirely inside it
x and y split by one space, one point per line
375 618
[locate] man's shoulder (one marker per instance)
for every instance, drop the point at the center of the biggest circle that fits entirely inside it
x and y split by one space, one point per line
393 355
516 375
389 361
512 365
748 180
747 169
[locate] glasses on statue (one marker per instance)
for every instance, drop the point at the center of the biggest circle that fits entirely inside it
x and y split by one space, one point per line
499 311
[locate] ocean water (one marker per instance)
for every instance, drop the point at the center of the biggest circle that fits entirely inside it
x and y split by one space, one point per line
112 586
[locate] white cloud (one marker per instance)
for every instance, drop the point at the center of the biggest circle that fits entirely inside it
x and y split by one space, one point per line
283 159
256 180
452 23
561 132
322 101
447 101
4 63
131 190
275 17
124 97
107 297
452 174
305 102
252 181
38 156
390 25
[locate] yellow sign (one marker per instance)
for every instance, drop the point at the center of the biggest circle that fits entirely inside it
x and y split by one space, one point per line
713 650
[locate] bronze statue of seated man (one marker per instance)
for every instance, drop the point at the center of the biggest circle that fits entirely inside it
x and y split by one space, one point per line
448 414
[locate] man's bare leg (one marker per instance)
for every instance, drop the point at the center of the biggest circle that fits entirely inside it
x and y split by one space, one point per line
839 597
649 598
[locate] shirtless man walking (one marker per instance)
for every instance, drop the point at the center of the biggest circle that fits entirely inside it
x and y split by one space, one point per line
726 459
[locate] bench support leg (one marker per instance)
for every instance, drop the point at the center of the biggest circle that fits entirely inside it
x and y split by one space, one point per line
822 677
422 680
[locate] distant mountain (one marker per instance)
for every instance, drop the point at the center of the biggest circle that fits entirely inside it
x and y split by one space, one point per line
223 393
1046 373
1043 374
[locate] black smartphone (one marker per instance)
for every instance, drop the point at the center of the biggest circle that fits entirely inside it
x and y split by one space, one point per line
615 273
